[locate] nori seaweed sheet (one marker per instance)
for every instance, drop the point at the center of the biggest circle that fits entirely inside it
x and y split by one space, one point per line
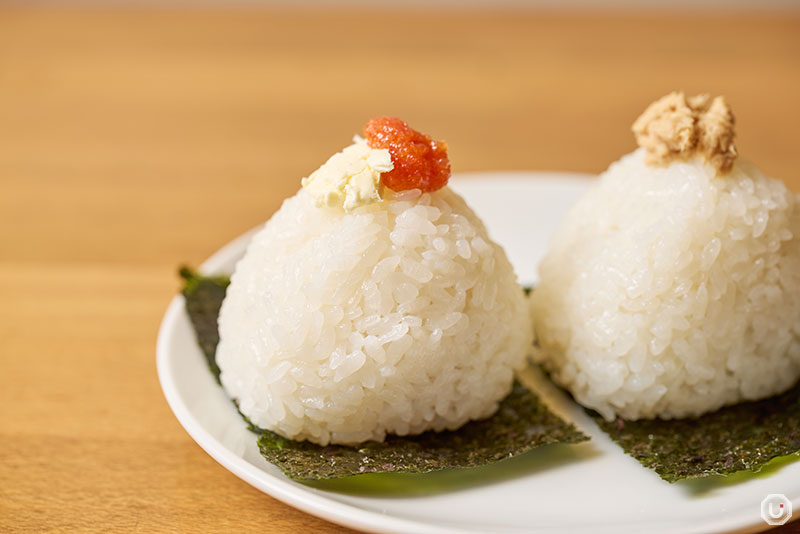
521 423
742 437
204 296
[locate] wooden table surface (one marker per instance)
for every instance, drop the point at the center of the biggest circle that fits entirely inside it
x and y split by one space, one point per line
132 140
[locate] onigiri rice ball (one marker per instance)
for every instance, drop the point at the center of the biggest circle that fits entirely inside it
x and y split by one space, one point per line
397 317
669 291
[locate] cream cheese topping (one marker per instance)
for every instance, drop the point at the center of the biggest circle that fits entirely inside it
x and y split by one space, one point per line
350 178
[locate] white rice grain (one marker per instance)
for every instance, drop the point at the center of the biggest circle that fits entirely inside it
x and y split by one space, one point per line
670 292
398 317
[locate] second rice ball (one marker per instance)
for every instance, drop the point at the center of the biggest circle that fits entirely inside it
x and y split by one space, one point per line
670 292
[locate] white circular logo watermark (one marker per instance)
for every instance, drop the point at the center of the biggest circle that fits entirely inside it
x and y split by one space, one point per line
776 509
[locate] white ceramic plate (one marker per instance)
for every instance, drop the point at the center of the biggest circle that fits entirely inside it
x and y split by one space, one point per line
592 487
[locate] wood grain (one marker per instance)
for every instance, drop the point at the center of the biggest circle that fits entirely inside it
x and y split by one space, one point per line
135 139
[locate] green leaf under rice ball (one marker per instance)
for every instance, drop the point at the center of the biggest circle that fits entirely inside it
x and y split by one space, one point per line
743 437
521 423
204 296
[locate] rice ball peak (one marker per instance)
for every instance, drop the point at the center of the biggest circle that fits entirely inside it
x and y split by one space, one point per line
395 316
677 127
672 287
392 156
419 161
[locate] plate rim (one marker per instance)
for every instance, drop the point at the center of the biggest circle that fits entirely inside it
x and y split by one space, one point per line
311 500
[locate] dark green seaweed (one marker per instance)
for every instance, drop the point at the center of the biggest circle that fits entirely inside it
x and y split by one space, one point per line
204 296
521 423
743 437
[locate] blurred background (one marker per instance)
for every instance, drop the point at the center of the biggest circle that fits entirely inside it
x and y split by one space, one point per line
171 112
135 136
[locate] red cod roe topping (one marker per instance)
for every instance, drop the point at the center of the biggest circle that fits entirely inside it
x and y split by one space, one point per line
419 161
